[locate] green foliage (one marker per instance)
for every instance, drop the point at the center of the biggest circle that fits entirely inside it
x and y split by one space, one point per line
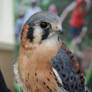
89 77
89 23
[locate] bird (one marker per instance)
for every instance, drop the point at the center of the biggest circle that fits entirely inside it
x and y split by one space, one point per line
45 64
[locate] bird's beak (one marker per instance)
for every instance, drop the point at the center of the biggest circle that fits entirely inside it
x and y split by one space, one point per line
60 31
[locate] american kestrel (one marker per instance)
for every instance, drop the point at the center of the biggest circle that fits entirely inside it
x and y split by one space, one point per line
44 63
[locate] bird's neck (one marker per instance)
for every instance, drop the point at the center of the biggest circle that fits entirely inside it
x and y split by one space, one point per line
45 49
38 54
50 43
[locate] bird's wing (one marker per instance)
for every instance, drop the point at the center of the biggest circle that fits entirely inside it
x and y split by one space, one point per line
63 64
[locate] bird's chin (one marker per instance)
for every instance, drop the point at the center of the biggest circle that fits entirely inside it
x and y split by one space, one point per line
54 37
51 35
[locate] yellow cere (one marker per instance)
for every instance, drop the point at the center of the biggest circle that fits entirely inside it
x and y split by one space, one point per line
58 27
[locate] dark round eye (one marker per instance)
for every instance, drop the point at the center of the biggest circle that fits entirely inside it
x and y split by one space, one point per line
44 24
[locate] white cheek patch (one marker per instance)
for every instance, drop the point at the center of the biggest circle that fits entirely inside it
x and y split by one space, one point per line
37 34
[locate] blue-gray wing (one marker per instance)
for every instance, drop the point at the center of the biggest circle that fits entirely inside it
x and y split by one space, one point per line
64 67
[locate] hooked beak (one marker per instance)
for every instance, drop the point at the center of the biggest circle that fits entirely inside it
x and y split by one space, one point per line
60 31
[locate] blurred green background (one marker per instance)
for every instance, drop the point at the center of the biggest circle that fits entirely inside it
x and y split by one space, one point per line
61 5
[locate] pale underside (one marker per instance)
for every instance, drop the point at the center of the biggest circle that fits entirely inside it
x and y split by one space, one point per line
35 68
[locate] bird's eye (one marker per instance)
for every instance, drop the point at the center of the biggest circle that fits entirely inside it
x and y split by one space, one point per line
43 24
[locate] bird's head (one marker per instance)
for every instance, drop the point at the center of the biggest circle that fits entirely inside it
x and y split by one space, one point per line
41 27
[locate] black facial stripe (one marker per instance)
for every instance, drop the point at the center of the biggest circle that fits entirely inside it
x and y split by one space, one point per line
30 34
45 34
